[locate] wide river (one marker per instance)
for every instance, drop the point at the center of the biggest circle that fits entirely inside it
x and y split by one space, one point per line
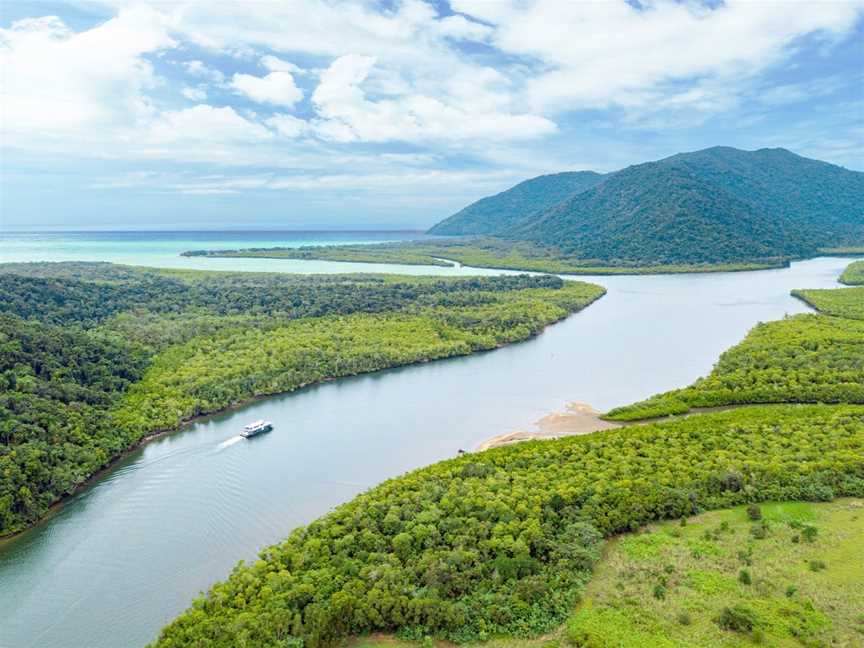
128 553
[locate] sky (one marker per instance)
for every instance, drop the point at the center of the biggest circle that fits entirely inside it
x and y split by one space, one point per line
326 115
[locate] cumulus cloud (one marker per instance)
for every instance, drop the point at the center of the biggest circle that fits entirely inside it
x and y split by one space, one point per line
275 64
288 125
472 81
57 82
200 69
194 94
597 54
277 88
347 114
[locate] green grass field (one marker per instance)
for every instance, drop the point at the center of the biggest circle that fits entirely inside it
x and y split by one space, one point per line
670 584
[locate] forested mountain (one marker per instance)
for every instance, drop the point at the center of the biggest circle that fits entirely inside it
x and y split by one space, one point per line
495 214
718 205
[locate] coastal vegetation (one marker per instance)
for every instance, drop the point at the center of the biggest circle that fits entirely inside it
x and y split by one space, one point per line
479 252
840 302
503 542
96 357
853 275
800 359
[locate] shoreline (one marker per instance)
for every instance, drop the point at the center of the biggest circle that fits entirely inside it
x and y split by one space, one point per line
575 419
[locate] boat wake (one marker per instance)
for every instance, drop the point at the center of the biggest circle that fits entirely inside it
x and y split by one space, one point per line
229 442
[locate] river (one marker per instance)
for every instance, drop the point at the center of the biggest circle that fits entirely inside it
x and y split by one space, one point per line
128 553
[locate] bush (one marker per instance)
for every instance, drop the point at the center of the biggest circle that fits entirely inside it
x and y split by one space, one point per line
744 577
754 512
738 618
817 565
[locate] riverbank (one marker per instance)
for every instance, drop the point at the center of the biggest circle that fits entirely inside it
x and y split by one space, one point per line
512 256
191 350
576 419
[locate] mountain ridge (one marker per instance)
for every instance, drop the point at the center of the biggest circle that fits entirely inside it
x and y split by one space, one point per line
715 205
520 201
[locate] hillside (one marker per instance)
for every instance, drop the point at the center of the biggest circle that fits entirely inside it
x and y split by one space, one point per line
719 205
495 214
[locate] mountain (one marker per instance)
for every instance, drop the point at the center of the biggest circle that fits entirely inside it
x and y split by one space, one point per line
495 214
712 206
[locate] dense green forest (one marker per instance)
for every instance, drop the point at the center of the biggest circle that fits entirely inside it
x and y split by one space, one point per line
478 252
718 205
496 214
840 302
503 542
94 357
854 274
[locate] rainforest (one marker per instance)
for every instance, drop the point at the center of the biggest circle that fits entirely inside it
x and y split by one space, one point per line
503 542
94 358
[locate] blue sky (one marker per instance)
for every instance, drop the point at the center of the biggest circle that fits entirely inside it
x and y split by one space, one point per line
320 114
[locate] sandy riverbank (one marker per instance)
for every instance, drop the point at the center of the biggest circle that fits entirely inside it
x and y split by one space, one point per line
577 418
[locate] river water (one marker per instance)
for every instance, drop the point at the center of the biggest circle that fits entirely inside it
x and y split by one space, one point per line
127 554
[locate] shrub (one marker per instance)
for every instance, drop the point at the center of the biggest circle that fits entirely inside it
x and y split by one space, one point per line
738 618
817 565
744 577
754 512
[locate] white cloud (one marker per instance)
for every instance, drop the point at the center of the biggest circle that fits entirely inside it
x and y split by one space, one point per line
208 123
475 85
347 115
277 88
288 125
597 54
58 83
194 94
199 69
275 64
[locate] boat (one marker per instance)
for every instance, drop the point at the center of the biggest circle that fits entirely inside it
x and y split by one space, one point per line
256 428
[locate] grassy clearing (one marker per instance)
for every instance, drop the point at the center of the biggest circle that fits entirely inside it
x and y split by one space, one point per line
668 585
